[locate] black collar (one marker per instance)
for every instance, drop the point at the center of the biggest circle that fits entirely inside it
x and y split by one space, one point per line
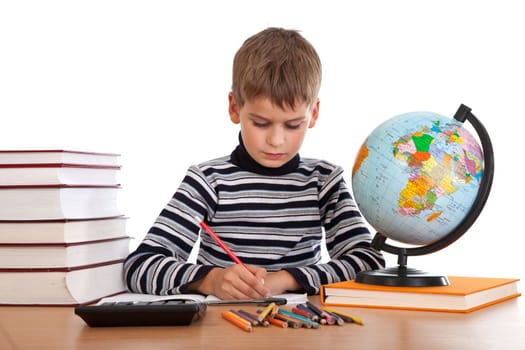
242 159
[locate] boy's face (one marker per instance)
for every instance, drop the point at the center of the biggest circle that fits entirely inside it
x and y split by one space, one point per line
272 136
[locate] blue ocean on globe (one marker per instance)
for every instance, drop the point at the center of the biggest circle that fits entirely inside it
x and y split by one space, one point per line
416 177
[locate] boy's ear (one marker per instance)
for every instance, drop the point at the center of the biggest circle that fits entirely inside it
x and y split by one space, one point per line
315 114
233 109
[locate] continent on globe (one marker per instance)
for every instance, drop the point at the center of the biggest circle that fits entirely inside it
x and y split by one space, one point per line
416 176
433 172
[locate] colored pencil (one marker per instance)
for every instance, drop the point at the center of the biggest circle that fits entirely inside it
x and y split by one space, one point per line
306 309
276 322
237 321
289 322
338 319
253 318
219 242
345 316
309 323
303 313
329 319
252 321
265 312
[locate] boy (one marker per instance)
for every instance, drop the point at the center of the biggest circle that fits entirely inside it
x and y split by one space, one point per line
264 201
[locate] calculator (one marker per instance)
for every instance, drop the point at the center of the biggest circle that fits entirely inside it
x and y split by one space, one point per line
170 312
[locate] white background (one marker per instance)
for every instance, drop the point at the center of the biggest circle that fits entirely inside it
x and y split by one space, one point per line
149 80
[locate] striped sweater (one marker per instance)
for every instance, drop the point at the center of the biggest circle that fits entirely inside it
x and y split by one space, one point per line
270 217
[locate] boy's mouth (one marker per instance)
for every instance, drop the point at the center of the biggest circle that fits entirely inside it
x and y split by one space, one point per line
274 156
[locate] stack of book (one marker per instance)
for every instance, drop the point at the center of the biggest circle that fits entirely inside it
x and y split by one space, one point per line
62 236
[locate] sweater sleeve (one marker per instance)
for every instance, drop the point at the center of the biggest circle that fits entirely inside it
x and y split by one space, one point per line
159 264
348 240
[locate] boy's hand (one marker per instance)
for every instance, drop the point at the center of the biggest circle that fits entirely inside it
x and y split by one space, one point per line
234 282
280 282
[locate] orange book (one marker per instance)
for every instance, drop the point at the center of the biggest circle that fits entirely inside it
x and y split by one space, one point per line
463 294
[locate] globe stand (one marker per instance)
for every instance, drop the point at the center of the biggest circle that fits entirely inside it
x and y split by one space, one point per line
404 276
400 275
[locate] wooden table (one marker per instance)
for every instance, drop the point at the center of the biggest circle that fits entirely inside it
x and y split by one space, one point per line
500 326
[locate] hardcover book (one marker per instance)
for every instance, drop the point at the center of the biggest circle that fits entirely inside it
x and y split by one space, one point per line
62 230
56 255
41 202
61 286
58 174
57 156
463 294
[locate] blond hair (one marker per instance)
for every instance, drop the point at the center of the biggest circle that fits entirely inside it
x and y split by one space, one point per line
279 64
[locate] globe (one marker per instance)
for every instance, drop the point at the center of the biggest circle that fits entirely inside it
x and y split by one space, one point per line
421 179
416 176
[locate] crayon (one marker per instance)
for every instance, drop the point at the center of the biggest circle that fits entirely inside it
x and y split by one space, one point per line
237 321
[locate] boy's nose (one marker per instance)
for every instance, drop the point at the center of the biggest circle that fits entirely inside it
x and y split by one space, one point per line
275 137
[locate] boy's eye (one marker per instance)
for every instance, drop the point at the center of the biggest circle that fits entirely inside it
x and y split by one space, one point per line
265 124
260 124
293 126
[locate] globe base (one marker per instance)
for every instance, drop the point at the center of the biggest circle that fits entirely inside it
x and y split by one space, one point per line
401 276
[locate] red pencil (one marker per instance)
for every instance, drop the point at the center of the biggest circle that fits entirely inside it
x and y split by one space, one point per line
219 242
